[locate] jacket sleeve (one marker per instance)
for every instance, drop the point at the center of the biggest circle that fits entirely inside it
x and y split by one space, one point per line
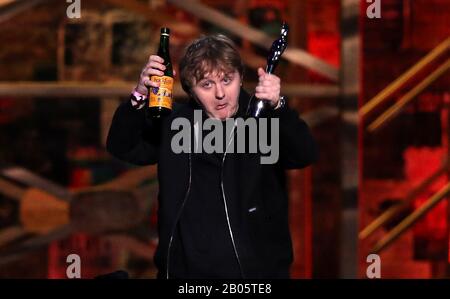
132 138
298 148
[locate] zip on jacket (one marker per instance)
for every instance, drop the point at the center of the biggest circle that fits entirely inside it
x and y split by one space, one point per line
180 211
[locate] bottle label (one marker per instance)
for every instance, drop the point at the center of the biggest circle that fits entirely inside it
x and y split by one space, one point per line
161 96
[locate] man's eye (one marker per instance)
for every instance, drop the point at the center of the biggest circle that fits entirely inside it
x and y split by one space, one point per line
206 84
227 80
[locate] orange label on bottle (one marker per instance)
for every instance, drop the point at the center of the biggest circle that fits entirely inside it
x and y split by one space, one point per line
161 96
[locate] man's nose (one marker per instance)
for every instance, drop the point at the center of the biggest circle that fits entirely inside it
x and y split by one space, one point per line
220 93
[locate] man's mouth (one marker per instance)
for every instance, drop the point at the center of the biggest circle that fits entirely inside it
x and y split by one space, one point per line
221 106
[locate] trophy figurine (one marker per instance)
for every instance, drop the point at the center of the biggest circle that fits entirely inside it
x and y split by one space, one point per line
260 107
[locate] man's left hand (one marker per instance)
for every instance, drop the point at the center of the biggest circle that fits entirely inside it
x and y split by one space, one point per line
268 87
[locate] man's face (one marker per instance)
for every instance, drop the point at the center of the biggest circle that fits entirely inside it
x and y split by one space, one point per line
218 93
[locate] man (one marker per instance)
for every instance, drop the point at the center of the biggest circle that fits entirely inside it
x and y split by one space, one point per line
220 215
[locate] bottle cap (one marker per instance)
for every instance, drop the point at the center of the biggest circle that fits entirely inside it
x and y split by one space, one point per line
165 30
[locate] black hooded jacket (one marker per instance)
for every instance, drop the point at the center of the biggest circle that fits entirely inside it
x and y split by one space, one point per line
218 217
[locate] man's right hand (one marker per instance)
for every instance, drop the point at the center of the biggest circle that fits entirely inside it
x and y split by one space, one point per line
154 67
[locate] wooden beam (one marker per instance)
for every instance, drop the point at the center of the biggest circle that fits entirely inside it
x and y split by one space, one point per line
294 55
320 115
75 89
5 2
11 190
401 103
30 179
311 91
389 90
411 219
9 234
15 252
10 9
349 130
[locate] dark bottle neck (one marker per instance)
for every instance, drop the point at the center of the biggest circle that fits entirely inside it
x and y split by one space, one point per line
163 50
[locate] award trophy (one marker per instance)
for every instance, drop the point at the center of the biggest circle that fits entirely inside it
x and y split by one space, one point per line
260 107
